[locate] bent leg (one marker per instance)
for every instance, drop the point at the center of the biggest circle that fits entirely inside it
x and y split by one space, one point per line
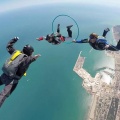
58 28
58 31
112 48
1 83
13 88
105 32
118 45
69 31
8 89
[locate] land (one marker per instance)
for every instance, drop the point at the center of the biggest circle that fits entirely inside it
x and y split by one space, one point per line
105 104
116 32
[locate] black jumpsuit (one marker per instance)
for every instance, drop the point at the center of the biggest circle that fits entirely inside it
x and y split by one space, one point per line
11 83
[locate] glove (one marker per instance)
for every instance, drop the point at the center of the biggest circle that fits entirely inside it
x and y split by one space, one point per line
36 56
16 38
41 38
74 40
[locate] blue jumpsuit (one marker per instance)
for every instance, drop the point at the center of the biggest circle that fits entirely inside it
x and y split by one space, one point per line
100 44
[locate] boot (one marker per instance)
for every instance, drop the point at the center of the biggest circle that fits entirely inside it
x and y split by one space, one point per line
69 26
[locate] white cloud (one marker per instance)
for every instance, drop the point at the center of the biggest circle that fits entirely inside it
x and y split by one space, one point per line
8 5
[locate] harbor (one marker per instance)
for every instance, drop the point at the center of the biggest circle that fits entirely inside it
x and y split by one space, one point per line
105 104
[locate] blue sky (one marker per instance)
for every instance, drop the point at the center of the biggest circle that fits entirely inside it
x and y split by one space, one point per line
7 5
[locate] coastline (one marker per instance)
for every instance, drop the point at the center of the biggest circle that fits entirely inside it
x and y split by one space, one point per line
103 94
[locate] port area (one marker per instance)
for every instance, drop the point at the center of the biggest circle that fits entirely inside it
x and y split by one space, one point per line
105 104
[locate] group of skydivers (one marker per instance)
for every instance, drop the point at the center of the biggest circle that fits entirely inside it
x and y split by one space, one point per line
18 63
97 42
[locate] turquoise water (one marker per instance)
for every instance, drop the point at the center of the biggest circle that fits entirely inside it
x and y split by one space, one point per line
51 90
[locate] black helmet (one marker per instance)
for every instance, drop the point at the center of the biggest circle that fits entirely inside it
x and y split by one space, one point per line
28 50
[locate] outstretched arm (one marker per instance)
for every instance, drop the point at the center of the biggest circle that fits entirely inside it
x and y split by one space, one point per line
10 44
81 41
36 56
41 38
45 38
32 58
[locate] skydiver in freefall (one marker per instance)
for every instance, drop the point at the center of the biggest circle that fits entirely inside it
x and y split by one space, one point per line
12 73
57 38
99 42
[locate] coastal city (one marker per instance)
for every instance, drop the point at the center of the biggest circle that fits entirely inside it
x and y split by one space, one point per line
105 104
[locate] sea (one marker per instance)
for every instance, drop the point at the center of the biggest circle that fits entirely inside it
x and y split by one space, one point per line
52 90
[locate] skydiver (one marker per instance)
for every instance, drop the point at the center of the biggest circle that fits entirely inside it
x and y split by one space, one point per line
99 42
57 38
9 79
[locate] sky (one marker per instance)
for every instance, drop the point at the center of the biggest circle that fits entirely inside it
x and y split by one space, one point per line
7 5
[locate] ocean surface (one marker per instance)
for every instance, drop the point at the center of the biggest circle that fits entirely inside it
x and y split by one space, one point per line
51 90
